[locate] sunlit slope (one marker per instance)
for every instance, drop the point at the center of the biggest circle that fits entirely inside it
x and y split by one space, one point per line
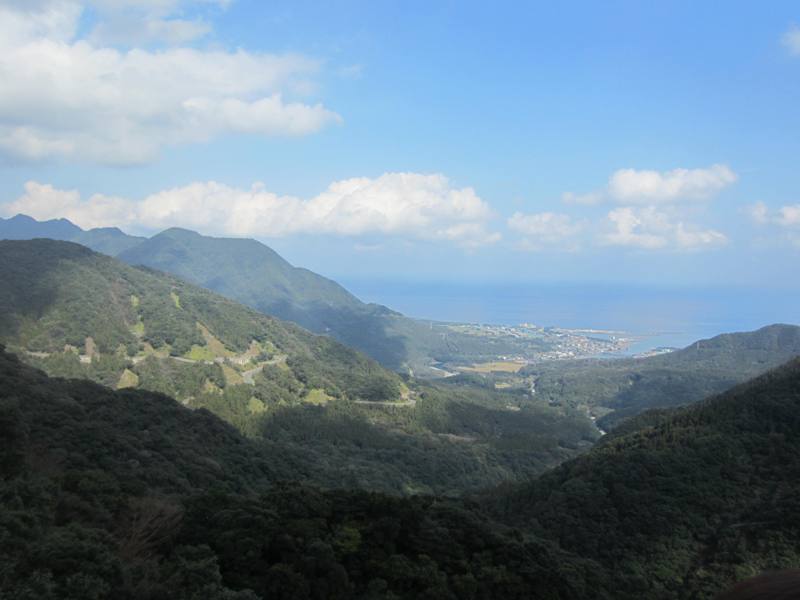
80 313
250 272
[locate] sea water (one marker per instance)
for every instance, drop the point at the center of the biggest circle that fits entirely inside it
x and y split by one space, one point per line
656 316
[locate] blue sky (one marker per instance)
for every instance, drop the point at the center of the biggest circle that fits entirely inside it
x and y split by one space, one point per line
610 142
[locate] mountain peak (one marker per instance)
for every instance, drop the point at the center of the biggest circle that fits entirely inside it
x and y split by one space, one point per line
20 227
178 232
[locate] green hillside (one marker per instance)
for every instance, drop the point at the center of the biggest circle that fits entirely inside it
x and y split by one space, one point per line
128 495
255 275
617 389
75 310
678 504
349 421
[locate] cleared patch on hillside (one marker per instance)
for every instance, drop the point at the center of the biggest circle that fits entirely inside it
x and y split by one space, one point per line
317 396
502 366
128 379
231 376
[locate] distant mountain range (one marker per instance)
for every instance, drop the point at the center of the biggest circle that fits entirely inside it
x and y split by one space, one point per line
108 240
242 269
250 272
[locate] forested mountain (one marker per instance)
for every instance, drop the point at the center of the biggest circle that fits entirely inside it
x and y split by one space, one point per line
127 494
251 273
254 274
73 310
679 503
349 422
617 389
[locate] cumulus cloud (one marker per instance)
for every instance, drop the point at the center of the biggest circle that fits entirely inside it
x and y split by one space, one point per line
402 204
546 229
791 40
646 186
654 207
650 228
71 98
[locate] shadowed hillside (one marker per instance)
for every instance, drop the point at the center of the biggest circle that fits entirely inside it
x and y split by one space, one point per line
127 495
617 389
680 503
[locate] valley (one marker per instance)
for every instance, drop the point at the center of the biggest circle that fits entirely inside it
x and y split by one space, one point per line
506 427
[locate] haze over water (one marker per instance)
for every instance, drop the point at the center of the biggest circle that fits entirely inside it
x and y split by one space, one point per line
663 316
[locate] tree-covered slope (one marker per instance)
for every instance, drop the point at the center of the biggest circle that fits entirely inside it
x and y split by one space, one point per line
255 275
67 306
349 421
128 495
680 503
209 262
249 272
626 387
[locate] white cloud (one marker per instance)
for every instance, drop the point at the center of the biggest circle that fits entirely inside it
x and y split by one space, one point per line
649 228
650 187
783 222
791 40
402 204
632 227
69 98
546 229
785 216
121 30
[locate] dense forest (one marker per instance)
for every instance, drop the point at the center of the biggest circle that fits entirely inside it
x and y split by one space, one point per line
676 502
127 494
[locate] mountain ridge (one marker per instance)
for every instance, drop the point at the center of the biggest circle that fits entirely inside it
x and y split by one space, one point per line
250 272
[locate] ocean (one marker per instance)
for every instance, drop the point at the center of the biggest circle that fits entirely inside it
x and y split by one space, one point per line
656 316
